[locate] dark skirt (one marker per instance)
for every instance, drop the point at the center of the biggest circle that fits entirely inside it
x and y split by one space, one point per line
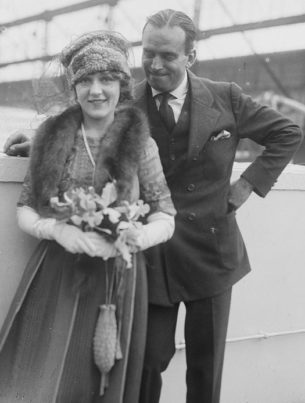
46 341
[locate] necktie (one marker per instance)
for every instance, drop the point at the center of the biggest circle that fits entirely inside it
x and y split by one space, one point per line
166 112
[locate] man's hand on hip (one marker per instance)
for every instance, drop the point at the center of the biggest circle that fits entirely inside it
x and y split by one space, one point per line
239 193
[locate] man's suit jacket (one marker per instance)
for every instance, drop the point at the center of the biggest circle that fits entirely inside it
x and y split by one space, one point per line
207 254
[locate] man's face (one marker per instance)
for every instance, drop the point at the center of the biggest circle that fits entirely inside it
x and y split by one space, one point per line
164 58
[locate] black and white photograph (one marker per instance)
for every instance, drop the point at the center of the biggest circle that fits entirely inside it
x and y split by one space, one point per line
152 181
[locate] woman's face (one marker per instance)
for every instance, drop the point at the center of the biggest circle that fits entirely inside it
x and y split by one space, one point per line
98 95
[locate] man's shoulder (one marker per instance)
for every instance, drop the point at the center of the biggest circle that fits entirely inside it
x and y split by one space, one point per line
214 86
219 92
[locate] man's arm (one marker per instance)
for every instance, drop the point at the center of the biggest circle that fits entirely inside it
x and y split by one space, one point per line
19 143
269 128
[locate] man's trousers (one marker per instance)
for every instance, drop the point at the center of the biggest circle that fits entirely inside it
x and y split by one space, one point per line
206 323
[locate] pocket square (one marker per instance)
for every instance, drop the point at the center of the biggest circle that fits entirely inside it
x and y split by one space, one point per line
223 135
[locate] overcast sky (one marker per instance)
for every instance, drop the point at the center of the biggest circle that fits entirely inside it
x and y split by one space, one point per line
128 17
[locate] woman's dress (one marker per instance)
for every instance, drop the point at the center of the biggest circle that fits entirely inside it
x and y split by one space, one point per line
47 338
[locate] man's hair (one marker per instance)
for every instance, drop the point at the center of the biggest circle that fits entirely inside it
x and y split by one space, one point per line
173 18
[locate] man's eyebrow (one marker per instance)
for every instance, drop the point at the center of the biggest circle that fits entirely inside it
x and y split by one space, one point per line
168 52
163 53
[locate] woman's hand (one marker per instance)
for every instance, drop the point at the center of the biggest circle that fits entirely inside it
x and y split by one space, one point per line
73 239
103 248
133 239
68 236
159 229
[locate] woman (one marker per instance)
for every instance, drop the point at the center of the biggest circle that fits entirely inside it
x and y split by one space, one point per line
47 352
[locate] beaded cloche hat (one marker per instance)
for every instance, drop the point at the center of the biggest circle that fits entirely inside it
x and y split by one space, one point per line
93 52
89 53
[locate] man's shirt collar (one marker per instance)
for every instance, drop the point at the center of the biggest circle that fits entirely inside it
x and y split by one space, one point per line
179 92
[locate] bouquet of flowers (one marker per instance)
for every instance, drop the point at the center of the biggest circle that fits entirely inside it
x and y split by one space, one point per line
92 212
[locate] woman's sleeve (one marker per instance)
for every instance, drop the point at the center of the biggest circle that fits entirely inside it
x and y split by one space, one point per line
27 217
153 187
154 191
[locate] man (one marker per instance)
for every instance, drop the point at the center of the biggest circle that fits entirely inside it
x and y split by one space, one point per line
197 125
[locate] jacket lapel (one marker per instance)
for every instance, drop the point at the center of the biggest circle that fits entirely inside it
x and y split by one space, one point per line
203 116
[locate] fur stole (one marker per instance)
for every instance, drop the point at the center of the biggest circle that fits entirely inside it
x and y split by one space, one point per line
54 142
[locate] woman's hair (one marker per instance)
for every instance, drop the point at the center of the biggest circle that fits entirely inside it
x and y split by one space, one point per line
99 51
173 18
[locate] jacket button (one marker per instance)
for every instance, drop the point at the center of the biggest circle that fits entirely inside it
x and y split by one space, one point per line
191 187
172 157
191 216
213 230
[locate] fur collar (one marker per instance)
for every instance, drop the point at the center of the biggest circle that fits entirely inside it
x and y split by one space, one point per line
54 142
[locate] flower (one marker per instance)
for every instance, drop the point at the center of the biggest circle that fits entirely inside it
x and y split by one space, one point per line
86 209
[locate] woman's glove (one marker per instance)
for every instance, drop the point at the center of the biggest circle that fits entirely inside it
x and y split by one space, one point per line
73 239
68 236
159 229
103 248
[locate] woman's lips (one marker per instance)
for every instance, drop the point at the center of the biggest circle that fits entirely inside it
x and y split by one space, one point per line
97 101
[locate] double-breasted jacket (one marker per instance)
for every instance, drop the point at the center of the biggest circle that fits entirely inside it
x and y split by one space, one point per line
207 253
